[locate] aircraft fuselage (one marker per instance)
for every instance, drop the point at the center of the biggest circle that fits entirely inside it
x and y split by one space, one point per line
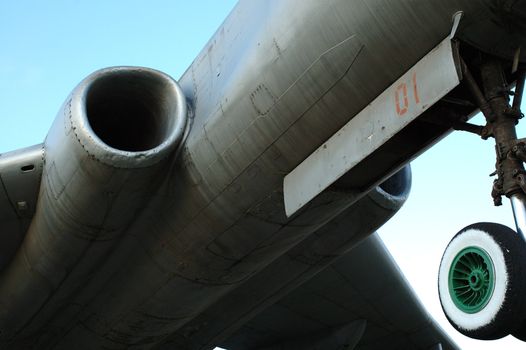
276 81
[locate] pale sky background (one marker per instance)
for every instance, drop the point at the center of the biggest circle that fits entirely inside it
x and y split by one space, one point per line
47 47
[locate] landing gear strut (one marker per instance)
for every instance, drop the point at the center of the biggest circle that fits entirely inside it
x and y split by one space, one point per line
482 277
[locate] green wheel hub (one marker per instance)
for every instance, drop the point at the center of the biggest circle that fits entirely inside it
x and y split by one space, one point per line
471 279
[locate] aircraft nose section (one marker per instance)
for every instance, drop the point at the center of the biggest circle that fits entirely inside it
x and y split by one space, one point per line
497 27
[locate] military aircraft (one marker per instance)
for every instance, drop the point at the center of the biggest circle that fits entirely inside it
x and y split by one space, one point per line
213 210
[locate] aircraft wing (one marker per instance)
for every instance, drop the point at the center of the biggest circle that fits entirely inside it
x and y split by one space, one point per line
362 299
20 175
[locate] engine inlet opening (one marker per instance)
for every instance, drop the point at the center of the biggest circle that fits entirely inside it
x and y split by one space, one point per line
399 183
131 110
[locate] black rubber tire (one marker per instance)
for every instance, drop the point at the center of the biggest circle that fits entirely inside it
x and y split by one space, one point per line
504 311
520 333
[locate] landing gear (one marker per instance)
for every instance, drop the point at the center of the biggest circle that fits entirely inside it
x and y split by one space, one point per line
482 277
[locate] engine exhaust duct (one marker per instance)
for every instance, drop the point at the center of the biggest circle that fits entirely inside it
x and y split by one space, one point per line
106 153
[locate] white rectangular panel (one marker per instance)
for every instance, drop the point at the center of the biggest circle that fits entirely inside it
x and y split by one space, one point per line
418 89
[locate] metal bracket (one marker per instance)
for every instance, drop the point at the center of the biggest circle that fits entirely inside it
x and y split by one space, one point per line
456 21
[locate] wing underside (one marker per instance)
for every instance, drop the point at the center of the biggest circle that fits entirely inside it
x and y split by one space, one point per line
363 289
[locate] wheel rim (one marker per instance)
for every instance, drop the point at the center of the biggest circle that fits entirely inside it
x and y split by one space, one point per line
471 279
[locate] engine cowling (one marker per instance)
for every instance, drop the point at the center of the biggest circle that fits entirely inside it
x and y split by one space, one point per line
104 156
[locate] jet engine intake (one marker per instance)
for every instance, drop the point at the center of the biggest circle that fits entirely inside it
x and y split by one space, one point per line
128 117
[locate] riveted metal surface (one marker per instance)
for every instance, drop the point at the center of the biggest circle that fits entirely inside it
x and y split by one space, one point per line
20 177
277 79
91 191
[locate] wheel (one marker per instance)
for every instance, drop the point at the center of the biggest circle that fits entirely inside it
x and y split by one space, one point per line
482 281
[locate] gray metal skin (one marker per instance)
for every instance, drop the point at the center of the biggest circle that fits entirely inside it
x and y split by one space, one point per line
275 81
20 175
335 239
90 192
343 296
338 338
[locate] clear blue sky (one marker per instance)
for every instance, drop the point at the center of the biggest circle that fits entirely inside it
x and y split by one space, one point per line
47 47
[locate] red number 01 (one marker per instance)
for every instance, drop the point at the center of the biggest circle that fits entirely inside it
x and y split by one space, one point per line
402 98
